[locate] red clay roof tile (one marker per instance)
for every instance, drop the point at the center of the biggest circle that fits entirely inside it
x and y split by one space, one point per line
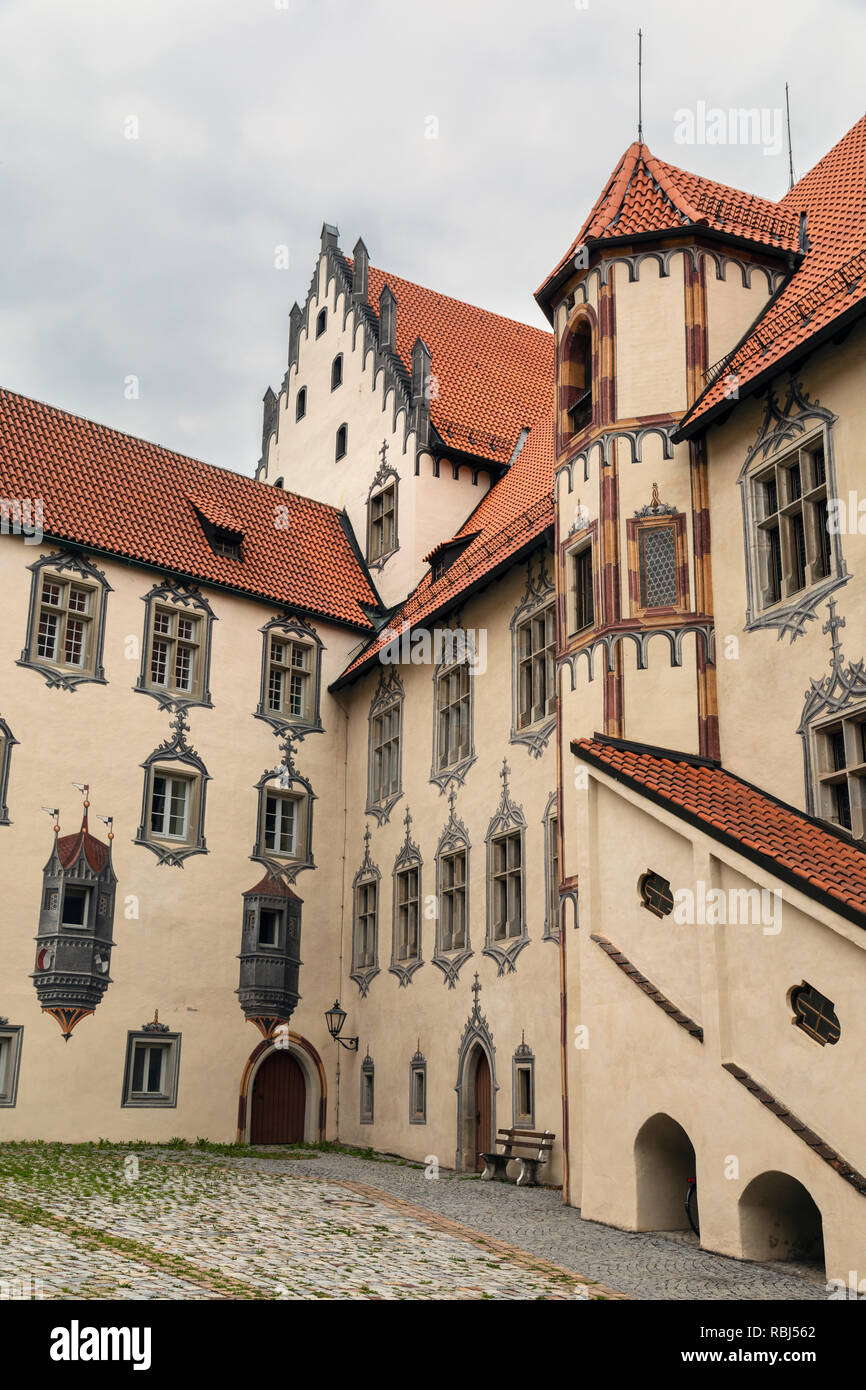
804 852
109 491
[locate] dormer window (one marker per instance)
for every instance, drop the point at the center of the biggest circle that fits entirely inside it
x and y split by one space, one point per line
342 441
337 371
227 543
301 403
321 322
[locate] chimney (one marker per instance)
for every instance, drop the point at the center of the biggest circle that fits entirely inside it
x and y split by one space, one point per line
387 319
295 320
362 266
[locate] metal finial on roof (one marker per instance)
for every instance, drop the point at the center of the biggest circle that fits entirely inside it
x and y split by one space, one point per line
640 86
790 151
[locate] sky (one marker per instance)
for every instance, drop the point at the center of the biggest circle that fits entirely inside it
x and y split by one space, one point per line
166 167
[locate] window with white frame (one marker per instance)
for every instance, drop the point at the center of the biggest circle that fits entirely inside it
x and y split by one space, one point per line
175 658
536 667
151 1072
64 630
281 824
290 679
171 801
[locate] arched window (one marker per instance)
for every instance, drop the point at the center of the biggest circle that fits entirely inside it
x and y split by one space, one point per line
342 441
577 378
278 482
337 371
301 404
321 322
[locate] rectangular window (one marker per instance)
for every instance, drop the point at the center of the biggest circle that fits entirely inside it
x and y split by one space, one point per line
657 566
269 926
385 755
170 805
452 886
418 1097
64 623
552 875
840 772
281 824
290 679
366 895
175 652
506 887
582 597
76 901
151 1072
367 1096
10 1057
536 682
790 505
454 731
383 523
407 914
524 1095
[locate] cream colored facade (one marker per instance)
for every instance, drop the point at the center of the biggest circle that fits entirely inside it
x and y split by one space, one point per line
640 1101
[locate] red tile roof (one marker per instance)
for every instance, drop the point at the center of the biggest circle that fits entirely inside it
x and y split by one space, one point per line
800 850
514 513
831 281
271 887
69 848
644 195
494 376
112 492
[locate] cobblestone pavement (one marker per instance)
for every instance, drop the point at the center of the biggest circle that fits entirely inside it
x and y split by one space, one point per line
640 1265
79 1224
178 1224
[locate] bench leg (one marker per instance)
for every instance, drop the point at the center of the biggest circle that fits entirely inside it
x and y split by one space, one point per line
528 1176
495 1166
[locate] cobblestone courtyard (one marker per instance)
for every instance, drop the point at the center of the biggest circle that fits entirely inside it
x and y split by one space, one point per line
103 1222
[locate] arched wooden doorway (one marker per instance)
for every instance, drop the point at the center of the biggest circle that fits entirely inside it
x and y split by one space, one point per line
481 1091
279 1101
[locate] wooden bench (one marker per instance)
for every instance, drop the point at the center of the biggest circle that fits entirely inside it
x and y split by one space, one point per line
538 1145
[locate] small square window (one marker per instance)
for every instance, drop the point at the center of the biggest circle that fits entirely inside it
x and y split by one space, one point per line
270 920
151 1071
76 902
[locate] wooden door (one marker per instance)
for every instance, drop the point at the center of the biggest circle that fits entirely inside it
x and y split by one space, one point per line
279 1101
483 1110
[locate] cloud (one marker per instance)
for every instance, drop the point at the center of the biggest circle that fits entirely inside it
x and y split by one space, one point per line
256 122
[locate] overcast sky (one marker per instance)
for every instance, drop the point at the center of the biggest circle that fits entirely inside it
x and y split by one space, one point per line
259 119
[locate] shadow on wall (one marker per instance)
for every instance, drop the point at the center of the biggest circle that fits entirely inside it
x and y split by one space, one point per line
780 1221
664 1167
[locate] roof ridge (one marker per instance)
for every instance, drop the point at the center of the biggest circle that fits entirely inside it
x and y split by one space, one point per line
390 277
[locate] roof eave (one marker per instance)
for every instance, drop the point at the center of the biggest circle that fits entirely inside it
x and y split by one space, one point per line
691 424
453 600
765 861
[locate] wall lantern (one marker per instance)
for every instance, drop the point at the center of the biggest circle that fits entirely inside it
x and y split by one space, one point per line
335 1017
